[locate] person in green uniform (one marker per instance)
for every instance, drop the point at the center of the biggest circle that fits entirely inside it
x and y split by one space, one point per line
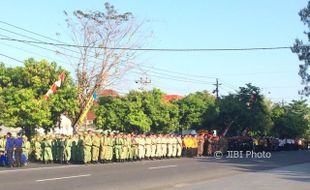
134 147
95 147
68 149
47 149
54 147
37 149
141 147
118 147
80 149
129 148
110 142
124 150
74 149
103 147
26 147
61 149
87 147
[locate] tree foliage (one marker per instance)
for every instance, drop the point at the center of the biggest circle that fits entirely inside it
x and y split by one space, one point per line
290 121
303 51
138 111
21 91
245 110
22 105
197 110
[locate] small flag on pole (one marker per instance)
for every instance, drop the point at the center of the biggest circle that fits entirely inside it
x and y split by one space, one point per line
55 85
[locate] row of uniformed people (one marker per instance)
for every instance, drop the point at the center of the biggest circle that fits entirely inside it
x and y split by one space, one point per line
96 147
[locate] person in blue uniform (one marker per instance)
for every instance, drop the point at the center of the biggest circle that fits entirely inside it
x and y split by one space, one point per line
9 149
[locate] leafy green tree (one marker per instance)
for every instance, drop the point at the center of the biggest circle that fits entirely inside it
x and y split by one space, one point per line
137 120
21 92
137 112
290 121
163 115
111 113
197 110
245 110
302 50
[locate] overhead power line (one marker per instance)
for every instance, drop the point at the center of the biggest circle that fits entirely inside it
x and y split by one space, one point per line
147 49
31 32
3 55
74 51
166 74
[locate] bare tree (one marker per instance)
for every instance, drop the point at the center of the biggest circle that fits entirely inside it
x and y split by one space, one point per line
105 41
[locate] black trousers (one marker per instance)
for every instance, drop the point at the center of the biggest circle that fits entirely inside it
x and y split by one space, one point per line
18 156
9 155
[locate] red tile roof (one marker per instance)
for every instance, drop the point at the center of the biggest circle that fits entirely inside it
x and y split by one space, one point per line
90 116
169 98
107 92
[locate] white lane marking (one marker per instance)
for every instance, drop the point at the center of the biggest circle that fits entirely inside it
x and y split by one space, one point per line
180 185
59 178
162 167
40 168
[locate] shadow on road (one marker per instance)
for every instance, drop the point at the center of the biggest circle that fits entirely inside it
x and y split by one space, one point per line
286 164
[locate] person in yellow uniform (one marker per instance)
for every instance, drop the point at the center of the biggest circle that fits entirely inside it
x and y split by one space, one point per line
124 148
194 146
2 143
141 146
118 146
103 147
129 155
134 147
186 145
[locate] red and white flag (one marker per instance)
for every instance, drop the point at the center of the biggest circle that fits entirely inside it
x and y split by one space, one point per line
55 85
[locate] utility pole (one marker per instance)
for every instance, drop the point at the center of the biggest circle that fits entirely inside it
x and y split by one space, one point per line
143 83
216 91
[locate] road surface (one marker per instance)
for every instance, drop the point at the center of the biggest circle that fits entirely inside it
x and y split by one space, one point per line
284 170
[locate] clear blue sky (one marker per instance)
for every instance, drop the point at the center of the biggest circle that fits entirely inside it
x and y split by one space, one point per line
185 24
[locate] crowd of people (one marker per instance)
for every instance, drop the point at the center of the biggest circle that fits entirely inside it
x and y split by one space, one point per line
265 143
96 147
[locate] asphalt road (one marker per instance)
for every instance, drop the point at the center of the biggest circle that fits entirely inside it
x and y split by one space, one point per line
284 170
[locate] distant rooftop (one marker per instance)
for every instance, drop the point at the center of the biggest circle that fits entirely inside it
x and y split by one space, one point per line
171 97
